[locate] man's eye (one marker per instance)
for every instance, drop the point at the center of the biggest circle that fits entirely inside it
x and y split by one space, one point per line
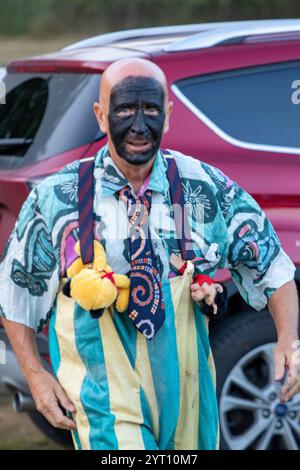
125 111
151 110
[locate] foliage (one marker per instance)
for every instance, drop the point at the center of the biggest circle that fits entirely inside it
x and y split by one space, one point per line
48 17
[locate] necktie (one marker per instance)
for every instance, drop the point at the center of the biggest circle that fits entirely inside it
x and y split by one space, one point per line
146 306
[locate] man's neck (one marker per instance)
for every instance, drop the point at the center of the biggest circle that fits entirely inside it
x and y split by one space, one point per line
135 174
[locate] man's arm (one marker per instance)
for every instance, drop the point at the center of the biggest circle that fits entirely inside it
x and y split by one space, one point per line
262 271
29 280
46 391
284 308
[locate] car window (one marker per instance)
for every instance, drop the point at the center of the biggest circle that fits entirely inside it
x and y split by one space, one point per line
254 105
46 114
21 116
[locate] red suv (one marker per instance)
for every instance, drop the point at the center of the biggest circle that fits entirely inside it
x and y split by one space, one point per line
236 93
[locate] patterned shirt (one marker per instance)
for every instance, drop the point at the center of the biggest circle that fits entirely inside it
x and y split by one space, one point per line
229 230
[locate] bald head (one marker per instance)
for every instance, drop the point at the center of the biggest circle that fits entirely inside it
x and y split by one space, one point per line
124 68
133 110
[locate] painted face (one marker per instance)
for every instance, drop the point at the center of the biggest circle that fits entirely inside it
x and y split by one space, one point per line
136 118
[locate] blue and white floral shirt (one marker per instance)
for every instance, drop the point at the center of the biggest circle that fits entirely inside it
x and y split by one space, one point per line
229 230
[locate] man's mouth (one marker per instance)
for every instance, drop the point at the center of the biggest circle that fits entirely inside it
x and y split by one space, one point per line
138 145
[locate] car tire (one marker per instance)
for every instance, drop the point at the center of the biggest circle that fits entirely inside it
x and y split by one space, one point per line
242 347
59 436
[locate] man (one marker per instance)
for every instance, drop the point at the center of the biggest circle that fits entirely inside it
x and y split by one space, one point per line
128 391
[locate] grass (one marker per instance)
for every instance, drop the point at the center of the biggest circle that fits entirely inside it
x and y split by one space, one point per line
17 432
19 47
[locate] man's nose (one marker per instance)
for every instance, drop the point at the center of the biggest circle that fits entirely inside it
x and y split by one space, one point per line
139 125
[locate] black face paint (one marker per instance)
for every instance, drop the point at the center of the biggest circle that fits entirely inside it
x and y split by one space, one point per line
136 118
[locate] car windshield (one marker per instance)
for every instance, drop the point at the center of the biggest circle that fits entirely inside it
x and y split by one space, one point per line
46 114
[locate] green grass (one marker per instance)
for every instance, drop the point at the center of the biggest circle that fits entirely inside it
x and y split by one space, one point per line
19 47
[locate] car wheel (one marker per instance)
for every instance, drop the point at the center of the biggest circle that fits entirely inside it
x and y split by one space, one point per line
251 415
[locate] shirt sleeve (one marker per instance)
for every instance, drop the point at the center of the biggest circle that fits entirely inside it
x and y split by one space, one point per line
29 271
255 257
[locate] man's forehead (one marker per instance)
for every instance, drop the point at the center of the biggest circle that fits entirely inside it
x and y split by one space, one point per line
131 85
122 69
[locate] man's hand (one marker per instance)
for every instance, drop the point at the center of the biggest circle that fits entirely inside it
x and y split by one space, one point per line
284 308
47 393
207 292
49 397
286 357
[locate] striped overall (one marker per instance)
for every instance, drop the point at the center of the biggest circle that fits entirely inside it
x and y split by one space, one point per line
129 392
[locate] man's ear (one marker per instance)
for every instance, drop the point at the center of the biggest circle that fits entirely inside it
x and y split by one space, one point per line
168 114
101 117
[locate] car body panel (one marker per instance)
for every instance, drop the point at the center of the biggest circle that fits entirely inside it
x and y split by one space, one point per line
87 60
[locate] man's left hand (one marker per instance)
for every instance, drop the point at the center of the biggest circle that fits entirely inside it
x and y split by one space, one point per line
287 356
205 292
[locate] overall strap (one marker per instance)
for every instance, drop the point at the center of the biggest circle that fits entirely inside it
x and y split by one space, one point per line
177 198
86 210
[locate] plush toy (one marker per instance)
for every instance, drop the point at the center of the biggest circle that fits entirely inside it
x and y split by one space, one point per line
96 286
211 295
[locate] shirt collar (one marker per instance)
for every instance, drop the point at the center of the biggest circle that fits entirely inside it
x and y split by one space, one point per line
112 179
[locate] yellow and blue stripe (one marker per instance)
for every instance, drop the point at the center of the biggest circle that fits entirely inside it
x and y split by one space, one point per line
131 393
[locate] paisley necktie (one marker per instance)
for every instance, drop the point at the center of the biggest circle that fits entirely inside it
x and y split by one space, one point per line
146 305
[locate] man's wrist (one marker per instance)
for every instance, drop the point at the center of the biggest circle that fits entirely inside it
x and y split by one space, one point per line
32 369
288 337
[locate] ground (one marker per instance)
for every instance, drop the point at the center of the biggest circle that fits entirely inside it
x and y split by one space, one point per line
18 47
17 432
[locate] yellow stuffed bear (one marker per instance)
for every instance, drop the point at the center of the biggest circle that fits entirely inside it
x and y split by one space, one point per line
95 286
